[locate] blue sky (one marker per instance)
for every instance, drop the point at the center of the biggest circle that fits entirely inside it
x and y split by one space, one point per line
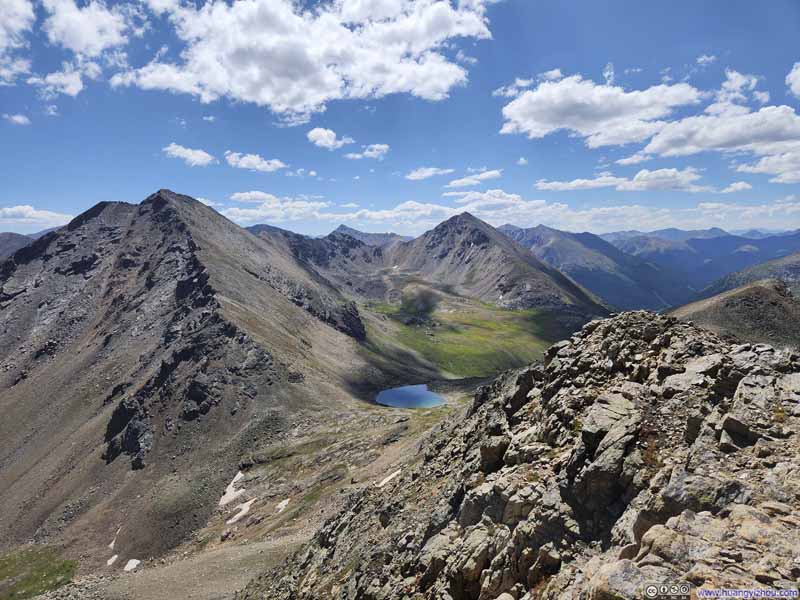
395 114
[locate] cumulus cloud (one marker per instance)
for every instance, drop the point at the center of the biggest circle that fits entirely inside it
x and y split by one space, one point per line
427 172
269 207
706 59
253 162
68 81
25 214
191 156
16 21
634 159
514 89
376 151
17 119
327 138
737 186
765 131
644 181
86 30
785 167
602 114
522 161
295 60
793 80
476 178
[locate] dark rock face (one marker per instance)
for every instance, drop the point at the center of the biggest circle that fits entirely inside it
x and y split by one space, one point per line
643 450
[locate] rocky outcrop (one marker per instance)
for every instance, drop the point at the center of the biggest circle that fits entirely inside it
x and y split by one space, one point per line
643 450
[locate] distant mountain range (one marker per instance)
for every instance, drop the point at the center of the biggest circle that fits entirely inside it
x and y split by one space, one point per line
671 234
372 239
701 261
622 280
786 269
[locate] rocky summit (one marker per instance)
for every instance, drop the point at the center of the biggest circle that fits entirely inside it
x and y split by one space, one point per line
643 449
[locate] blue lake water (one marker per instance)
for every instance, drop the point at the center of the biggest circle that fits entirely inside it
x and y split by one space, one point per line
409 396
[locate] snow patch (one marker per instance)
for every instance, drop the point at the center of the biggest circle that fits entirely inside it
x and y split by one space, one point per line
231 493
282 506
243 509
114 541
388 478
131 565
112 560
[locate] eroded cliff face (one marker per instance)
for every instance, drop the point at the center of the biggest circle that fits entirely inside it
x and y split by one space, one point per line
643 450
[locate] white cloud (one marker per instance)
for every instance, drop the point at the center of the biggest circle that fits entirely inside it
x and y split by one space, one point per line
68 81
761 97
209 118
51 110
644 181
551 75
16 20
785 167
465 59
25 214
737 186
603 114
349 205
426 172
793 80
17 119
513 90
634 159
192 157
253 162
272 208
294 59
706 59
376 151
601 181
86 30
765 131
522 161
608 73
476 178
327 138
733 94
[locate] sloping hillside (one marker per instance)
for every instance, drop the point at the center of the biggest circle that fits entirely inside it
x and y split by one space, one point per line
11 242
786 269
644 450
145 352
763 311
622 280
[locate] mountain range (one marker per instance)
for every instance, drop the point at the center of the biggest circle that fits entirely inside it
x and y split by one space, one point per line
701 261
622 280
179 392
